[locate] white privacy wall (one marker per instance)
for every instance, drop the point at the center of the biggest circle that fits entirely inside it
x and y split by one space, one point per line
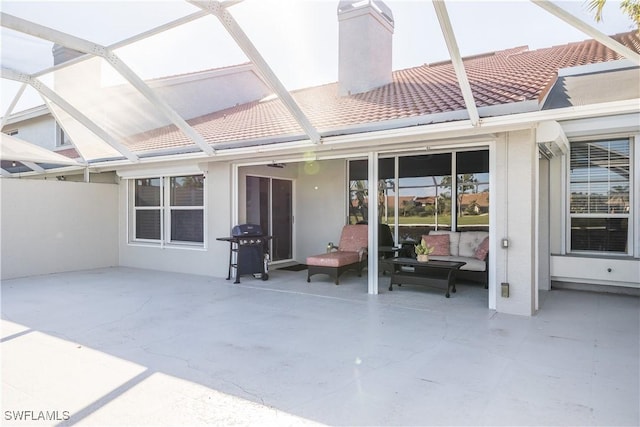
54 226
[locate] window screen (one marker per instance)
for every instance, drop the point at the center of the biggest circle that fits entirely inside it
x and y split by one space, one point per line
599 195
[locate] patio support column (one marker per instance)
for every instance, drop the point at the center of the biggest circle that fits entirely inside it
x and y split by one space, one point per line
516 214
372 219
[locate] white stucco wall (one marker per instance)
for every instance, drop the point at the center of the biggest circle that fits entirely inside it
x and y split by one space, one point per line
321 201
319 217
184 93
289 171
606 271
556 203
595 269
40 131
515 211
51 226
213 259
543 233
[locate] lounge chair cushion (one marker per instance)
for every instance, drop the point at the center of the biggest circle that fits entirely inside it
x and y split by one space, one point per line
354 238
334 259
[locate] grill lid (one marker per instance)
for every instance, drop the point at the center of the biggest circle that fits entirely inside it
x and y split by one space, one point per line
245 230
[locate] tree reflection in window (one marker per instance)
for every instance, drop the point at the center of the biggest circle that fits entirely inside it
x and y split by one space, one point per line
426 195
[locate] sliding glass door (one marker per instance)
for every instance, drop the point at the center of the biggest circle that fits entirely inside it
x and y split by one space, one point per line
269 202
418 193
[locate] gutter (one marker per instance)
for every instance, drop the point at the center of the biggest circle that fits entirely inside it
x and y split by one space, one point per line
428 134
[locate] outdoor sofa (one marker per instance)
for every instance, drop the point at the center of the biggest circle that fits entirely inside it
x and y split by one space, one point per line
471 247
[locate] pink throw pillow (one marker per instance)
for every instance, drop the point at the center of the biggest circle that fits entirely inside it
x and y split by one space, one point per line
439 242
482 250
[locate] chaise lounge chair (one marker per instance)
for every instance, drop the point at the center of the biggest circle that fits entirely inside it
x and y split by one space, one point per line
350 254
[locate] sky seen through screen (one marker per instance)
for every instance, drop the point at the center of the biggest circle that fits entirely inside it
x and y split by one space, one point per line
297 38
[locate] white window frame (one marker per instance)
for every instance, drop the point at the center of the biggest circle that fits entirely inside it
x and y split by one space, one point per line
168 208
61 137
632 230
135 209
165 209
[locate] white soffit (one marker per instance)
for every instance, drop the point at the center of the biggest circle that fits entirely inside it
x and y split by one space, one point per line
14 149
164 170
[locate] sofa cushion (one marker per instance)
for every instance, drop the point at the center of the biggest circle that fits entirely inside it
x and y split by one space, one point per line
472 264
334 259
482 250
469 242
454 240
439 243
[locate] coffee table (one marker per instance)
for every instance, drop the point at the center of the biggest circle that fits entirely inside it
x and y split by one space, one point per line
410 271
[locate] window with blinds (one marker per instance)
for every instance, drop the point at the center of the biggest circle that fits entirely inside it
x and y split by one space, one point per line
169 209
148 208
187 208
599 187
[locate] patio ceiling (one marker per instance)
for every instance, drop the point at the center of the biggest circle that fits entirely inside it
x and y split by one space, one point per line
110 76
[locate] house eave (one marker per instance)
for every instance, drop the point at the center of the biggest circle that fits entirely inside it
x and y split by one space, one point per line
31 113
424 133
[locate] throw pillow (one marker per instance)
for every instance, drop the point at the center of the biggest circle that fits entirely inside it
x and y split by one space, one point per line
440 243
482 250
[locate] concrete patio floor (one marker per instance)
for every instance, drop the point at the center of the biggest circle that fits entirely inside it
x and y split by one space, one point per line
125 346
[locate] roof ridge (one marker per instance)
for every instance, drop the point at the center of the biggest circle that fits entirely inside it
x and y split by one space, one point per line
426 93
193 73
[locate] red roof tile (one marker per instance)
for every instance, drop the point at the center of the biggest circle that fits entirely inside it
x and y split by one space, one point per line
508 76
68 152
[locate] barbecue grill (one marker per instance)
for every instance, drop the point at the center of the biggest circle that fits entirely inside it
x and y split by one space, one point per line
247 252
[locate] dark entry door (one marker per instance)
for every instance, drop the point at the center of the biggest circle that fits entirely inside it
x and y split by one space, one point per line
269 203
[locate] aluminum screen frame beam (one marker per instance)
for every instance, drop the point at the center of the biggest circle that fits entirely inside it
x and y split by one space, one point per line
588 30
46 92
130 40
13 104
86 46
456 60
234 29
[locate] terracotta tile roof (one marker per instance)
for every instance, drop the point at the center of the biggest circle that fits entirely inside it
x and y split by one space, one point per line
481 199
503 77
68 152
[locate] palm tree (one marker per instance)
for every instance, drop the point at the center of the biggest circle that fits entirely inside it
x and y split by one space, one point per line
629 7
466 183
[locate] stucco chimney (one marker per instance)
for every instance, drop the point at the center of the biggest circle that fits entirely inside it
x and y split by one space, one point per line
84 75
365 45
